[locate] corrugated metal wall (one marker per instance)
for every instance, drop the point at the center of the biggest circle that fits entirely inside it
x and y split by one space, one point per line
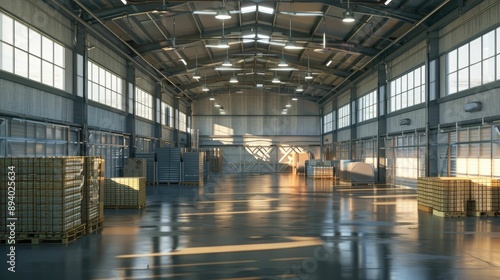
453 110
478 19
368 84
20 99
144 128
105 57
417 119
409 60
98 117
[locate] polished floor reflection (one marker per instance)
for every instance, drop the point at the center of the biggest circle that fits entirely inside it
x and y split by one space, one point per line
273 227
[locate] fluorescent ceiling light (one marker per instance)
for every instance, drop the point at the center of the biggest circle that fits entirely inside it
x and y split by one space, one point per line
212 99
223 14
266 10
329 62
299 88
227 69
348 16
267 41
258 35
204 13
276 80
282 63
283 113
304 14
205 88
259 85
227 63
288 105
387 2
283 69
294 98
196 75
308 76
222 112
248 9
217 105
183 61
124 2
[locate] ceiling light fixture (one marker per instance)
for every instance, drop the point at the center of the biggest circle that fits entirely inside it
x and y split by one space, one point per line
387 2
308 74
288 105
217 105
294 99
212 99
124 2
290 45
205 88
282 62
233 79
227 63
299 88
348 14
223 15
196 74
276 80
329 62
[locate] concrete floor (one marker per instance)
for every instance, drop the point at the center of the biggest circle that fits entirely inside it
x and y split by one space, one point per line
273 227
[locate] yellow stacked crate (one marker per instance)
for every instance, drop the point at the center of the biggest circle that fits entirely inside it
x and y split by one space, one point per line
127 192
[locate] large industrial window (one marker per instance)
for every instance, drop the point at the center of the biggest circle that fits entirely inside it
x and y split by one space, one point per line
27 53
408 89
328 122
182 122
104 87
143 104
367 106
344 116
474 63
167 115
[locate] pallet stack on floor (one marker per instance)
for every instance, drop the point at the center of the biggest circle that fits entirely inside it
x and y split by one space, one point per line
93 194
459 197
192 168
126 192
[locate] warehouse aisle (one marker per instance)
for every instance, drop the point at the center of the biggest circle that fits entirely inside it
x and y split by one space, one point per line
273 227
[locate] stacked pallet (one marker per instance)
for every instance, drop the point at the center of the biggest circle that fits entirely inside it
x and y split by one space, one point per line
484 197
93 194
319 169
127 192
48 195
169 165
192 168
458 197
135 167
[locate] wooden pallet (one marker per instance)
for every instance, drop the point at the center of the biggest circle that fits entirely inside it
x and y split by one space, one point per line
191 183
425 208
483 213
56 238
451 214
125 206
94 225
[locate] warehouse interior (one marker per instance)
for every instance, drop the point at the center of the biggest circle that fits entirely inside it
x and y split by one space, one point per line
256 139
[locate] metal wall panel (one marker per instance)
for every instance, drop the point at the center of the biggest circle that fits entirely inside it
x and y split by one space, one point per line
470 24
367 130
416 117
106 57
327 108
410 59
344 135
254 104
368 84
343 99
23 100
167 134
143 81
143 128
104 119
45 18
453 111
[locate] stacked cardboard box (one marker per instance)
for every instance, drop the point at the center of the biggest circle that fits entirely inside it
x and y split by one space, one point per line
127 192
93 194
48 194
135 167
